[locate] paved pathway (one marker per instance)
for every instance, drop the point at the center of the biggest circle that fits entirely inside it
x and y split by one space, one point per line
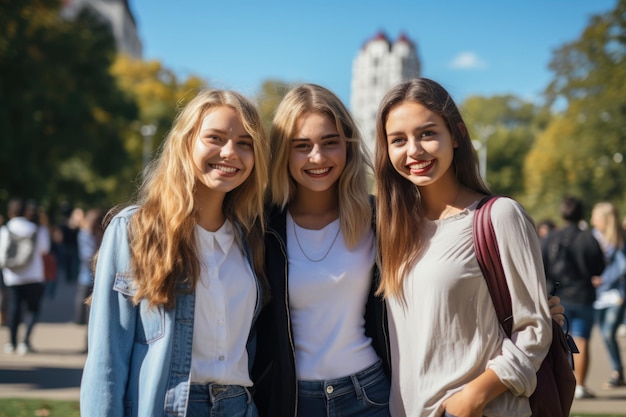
54 370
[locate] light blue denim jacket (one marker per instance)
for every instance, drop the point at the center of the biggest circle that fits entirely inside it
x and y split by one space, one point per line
139 358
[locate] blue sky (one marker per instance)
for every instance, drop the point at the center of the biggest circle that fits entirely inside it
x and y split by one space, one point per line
482 47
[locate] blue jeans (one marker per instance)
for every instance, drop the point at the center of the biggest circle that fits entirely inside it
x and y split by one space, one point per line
215 400
365 393
580 319
608 320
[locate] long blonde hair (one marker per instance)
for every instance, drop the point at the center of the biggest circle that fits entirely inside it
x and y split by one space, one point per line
613 232
162 237
399 217
355 212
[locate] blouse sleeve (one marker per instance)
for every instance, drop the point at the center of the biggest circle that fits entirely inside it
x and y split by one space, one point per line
520 253
111 329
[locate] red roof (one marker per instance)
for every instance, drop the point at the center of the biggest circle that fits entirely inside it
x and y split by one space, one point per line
381 36
405 39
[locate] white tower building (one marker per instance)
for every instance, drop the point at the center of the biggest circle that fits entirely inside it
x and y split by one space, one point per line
379 65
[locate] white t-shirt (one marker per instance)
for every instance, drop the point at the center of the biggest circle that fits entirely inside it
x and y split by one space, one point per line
448 333
224 306
327 301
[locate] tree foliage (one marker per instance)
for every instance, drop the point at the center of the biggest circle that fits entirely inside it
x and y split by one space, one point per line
582 151
159 95
61 113
509 126
268 98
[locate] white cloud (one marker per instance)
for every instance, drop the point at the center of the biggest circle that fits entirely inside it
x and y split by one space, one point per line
468 60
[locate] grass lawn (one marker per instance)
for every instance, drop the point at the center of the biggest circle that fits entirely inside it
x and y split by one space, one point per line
16 407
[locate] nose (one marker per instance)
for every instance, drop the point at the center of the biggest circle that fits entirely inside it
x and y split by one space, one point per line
317 155
228 150
415 147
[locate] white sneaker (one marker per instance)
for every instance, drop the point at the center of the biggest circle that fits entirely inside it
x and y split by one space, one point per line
9 348
582 392
23 349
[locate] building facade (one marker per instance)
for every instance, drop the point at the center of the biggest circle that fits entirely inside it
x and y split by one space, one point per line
379 65
117 14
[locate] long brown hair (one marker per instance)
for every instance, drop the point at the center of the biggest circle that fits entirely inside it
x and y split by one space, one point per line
355 212
162 237
399 218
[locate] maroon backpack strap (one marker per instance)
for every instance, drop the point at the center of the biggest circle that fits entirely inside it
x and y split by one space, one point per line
488 256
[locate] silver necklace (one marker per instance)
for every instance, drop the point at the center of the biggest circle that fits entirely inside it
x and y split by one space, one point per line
302 250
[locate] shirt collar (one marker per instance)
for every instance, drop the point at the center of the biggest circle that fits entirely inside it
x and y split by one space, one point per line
222 237
225 236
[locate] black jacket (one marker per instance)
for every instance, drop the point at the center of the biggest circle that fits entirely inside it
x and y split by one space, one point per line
585 257
274 370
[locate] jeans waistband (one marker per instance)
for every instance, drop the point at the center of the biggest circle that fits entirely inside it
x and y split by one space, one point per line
332 388
216 392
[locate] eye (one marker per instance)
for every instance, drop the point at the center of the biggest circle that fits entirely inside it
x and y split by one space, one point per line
396 140
303 146
246 143
427 133
214 138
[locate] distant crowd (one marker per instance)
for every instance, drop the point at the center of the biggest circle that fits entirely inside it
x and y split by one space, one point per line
35 253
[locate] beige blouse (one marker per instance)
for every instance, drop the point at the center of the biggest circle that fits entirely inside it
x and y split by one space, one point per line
447 333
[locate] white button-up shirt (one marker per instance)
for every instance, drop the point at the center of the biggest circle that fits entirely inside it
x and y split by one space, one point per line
224 308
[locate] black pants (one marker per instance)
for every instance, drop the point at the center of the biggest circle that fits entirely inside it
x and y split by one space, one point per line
30 295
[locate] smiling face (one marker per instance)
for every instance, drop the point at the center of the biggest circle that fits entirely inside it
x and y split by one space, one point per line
419 144
317 155
222 152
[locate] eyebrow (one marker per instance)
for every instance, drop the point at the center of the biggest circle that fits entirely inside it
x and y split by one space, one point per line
329 136
420 127
223 132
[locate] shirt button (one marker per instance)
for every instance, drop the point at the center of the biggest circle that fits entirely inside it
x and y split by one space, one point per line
221 358
329 389
221 322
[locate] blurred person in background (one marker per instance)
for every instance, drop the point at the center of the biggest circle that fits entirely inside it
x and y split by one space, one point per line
4 292
89 238
25 284
571 257
609 304
68 259
544 227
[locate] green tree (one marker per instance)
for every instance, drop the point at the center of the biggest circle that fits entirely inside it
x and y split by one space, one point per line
159 95
509 126
582 151
61 113
268 98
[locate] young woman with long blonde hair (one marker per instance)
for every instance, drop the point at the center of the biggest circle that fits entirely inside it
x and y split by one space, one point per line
610 285
179 275
322 339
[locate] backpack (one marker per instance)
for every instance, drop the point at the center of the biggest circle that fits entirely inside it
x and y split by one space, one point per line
19 251
561 264
556 382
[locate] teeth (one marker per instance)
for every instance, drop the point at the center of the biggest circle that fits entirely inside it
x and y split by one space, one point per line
420 165
226 169
318 171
